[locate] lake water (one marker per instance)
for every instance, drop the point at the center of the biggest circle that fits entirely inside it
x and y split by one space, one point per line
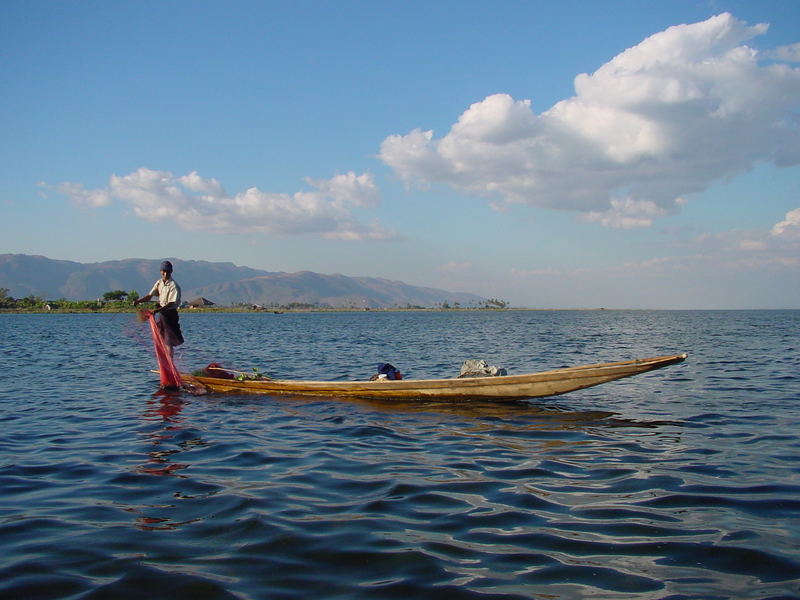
680 483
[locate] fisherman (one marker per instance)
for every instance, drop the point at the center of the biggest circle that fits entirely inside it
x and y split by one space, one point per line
169 299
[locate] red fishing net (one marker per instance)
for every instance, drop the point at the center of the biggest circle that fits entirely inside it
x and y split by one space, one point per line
170 377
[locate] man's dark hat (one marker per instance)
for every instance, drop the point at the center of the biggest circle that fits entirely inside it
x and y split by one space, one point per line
166 266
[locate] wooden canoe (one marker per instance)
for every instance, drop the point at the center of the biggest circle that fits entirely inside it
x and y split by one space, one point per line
508 387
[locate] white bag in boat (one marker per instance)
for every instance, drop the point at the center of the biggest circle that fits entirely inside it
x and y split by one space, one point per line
480 368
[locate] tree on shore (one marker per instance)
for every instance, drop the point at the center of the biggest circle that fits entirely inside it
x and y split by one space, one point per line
6 301
115 296
115 300
495 303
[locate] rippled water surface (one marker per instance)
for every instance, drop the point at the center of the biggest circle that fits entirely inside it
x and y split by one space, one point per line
680 483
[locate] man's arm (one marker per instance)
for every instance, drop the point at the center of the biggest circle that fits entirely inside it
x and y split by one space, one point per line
142 299
147 297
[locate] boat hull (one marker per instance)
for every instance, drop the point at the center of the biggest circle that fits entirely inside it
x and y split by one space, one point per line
508 387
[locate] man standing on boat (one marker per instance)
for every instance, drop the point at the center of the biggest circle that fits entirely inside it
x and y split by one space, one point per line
169 299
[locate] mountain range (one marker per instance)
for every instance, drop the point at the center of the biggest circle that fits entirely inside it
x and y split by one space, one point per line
222 283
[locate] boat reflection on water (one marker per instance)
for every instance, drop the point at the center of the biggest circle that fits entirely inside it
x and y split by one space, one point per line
512 414
305 430
513 424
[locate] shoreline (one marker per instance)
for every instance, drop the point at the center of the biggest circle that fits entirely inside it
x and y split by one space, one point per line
230 309
278 311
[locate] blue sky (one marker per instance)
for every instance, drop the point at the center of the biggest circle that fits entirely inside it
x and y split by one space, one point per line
555 155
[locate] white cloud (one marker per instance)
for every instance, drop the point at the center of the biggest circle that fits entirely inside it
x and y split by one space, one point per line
790 53
198 204
518 273
789 228
627 213
727 270
749 244
663 119
456 267
752 249
80 195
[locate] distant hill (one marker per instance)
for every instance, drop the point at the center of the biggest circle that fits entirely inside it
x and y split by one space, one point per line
224 284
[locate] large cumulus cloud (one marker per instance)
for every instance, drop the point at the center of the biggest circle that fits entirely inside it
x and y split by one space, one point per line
196 203
682 109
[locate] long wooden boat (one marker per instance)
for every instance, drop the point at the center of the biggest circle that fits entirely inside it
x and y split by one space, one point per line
507 387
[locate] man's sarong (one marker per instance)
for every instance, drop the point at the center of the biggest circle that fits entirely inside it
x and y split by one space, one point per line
170 327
